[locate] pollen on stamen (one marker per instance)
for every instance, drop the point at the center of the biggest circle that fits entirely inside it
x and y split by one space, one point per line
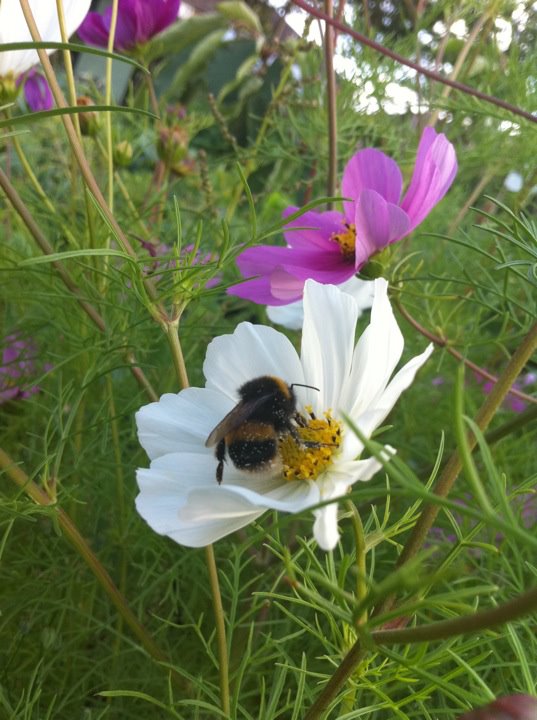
346 239
320 438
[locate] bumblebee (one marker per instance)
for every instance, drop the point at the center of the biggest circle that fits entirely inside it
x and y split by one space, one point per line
250 432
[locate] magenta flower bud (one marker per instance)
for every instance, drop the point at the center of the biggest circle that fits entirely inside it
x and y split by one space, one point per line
37 92
510 707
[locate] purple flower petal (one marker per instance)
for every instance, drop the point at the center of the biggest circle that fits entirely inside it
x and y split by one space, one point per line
312 228
261 291
137 22
435 170
378 224
370 169
37 92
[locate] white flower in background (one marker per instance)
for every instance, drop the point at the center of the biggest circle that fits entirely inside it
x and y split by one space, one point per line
13 28
291 316
179 495
513 182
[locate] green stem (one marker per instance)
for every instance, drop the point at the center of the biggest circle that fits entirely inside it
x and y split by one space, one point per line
172 332
218 609
71 532
361 577
108 115
120 495
171 328
524 604
465 453
332 114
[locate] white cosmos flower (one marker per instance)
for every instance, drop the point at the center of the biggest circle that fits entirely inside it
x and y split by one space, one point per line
179 496
13 28
291 316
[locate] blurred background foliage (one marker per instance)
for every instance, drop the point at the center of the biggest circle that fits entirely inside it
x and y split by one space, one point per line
238 87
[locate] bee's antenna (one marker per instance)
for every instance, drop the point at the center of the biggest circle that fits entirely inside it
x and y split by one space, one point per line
312 387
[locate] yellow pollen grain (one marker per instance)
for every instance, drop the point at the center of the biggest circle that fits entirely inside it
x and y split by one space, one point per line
302 461
346 239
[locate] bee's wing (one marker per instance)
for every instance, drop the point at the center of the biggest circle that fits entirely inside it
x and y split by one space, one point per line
236 417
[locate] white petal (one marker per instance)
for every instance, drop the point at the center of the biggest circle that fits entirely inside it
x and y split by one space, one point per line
292 497
179 498
290 316
368 421
377 353
363 292
402 380
168 512
327 342
13 28
325 529
251 351
182 422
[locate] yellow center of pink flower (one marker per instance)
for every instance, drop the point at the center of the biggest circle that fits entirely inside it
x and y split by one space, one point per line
320 440
346 239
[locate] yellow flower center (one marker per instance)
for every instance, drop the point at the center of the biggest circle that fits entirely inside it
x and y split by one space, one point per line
320 439
346 240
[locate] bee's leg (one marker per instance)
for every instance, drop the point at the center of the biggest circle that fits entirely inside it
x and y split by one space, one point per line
300 420
220 456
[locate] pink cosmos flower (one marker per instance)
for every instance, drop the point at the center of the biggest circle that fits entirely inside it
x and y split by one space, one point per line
137 22
332 246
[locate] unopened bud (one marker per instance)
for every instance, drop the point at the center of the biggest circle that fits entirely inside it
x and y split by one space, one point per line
123 153
172 145
376 265
8 89
89 121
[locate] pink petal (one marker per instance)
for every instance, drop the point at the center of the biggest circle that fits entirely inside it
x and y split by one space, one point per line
435 170
260 290
327 265
378 224
312 228
370 169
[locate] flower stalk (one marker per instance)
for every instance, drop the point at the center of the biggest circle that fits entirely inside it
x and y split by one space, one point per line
329 43
172 334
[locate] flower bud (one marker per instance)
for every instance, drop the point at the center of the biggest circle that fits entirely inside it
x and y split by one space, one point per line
510 707
172 145
89 121
9 89
376 265
123 153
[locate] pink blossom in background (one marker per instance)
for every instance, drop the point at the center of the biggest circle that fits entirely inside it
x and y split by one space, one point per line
36 91
137 22
512 402
331 247
18 368
509 707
